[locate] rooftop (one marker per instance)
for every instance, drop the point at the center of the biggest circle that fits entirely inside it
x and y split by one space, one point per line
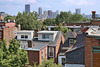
48 32
38 45
25 31
93 31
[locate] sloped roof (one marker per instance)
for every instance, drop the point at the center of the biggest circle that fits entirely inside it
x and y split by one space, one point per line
80 42
70 35
38 45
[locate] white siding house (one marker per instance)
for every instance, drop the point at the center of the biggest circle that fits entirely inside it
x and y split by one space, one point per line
47 35
25 35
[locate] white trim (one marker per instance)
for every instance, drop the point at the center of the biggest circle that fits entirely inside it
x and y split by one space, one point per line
46 52
31 49
52 50
42 55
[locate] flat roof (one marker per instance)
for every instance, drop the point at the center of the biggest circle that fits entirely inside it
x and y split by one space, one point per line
25 31
48 32
93 31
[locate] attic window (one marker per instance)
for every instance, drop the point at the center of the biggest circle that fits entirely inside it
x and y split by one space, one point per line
71 41
45 36
24 36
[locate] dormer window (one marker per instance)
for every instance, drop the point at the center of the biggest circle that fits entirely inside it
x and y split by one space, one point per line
45 36
24 36
71 41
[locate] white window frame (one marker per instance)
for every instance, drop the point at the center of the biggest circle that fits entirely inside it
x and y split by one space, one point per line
24 36
46 36
42 55
52 48
71 42
46 53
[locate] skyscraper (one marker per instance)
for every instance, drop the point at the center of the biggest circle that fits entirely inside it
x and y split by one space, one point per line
27 8
78 11
50 13
40 11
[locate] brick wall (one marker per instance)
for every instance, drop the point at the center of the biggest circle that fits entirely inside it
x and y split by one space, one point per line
59 45
8 33
97 23
33 56
89 43
40 54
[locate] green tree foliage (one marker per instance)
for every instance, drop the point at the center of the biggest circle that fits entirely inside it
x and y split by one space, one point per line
49 22
12 56
67 17
9 17
28 21
76 18
49 63
63 17
63 29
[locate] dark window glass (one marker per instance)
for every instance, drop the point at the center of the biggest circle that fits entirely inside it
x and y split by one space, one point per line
26 36
22 36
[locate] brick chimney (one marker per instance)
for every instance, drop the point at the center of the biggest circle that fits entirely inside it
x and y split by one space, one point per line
93 14
30 43
35 32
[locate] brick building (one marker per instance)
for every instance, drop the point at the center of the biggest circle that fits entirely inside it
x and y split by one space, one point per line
92 47
7 31
47 45
44 44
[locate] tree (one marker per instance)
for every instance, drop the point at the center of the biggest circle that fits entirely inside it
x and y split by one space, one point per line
67 17
49 63
62 17
76 18
9 17
63 29
12 56
28 21
49 22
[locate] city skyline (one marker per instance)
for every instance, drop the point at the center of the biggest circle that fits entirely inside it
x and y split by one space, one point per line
12 7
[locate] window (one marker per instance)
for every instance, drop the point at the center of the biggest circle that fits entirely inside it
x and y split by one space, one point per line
0 34
46 52
71 42
45 36
51 52
42 55
24 36
63 61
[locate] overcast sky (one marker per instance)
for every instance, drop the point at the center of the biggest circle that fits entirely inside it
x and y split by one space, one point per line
12 7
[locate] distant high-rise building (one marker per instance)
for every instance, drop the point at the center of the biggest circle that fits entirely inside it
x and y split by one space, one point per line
50 13
46 13
40 11
3 15
57 12
78 11
27 8
69 11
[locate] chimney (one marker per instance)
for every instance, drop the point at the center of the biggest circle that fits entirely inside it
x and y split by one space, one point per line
93 14
35 32
19 27
30 43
